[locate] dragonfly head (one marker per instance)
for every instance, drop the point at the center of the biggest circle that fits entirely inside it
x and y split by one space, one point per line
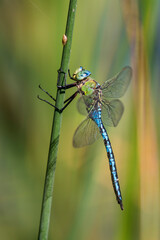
81 74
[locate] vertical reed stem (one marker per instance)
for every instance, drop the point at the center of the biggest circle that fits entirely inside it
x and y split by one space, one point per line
57 118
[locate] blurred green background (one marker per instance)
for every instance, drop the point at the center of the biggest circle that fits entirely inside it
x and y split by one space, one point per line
107 36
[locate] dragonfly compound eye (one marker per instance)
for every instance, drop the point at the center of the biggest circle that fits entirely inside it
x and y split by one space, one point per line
83 74
78 70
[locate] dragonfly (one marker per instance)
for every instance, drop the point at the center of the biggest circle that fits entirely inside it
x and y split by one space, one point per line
102 107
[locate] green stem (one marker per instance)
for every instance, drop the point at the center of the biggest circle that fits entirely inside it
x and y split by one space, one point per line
53 149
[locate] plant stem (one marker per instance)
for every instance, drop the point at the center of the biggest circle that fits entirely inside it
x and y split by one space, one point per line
53 149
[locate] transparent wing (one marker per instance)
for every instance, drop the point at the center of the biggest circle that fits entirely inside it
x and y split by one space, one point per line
86 133
81 106
116 86
85 104
112 112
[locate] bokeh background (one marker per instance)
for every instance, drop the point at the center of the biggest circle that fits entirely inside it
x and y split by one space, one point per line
107 36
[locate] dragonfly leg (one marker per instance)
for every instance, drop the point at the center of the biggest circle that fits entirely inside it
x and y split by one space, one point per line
47 93
67 101
67 86
69 73
47 102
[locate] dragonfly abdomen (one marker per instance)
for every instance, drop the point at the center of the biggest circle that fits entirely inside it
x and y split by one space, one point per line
96 117
112 165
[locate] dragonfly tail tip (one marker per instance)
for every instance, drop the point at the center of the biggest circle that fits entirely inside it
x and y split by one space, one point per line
121 205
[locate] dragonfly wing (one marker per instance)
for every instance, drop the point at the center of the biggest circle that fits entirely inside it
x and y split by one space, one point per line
116 86
86 133
112 112
85 104
81 106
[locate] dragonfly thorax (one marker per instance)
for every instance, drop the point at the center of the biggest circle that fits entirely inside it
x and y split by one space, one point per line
87 86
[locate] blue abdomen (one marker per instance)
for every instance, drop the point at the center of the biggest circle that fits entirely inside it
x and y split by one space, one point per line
96 117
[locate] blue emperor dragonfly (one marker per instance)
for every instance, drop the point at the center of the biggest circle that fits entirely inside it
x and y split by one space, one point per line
101 112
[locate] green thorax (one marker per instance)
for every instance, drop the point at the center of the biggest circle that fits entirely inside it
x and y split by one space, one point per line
85 83
88 87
